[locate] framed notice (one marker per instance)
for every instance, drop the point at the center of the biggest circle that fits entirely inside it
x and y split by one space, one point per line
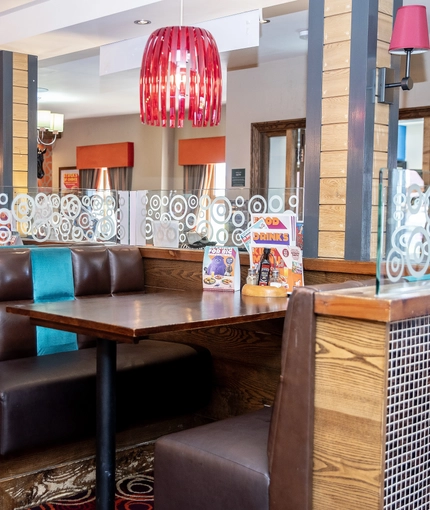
238 177
69 179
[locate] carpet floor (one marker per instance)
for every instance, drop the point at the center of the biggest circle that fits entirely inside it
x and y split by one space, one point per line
132 493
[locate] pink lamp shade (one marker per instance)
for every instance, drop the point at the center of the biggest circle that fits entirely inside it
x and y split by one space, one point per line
181 70
410 30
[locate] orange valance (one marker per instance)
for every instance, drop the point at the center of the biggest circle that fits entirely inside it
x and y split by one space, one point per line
110 155
201 151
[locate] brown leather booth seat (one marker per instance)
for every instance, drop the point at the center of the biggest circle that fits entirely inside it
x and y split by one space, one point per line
258 461
47 400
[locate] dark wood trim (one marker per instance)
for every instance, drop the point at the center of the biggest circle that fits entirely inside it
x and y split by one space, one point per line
414 113
309 264
260 135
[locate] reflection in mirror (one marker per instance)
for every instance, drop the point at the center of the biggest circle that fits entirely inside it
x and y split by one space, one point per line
410 144
277 154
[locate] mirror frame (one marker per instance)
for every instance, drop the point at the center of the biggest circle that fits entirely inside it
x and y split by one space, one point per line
417 113
260 140
262 131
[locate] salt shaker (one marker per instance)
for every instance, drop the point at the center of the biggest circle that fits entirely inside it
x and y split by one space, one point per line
251 279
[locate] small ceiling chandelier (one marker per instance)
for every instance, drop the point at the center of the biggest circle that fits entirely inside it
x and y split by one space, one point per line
181 70
47 121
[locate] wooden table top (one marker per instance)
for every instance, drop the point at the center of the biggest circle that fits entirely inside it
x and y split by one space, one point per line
130 318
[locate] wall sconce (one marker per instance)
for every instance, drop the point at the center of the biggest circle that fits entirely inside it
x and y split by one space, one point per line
410 35
47 121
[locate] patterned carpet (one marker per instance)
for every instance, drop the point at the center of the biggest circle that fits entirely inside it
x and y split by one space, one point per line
132 493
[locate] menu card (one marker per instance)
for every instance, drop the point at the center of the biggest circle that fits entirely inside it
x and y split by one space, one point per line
221 268
280 235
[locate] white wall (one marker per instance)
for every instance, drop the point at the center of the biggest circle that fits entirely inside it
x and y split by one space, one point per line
147 140
155 148
420 73
272 91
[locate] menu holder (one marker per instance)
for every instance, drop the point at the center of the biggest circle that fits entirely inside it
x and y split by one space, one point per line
221 268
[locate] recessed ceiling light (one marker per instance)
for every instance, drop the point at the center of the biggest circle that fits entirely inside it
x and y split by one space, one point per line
142 22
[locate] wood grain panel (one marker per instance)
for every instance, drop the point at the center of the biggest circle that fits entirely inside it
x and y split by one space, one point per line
337 28
333 163
350 375
20 95
383 57
380 137
334 137
349 267
426 144
336 55
332 217
20 112
20 128
19 179
20 163
331 245
385 27
375 192
20 61
333 7
319 277
335 83
382 112
20 78
335 110
333 190
386 6
379 161
374 218
373 245
20 145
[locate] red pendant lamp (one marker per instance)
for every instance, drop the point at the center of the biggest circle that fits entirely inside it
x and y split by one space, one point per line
181 70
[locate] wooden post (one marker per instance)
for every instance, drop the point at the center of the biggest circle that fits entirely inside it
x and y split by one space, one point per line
348 142
18 136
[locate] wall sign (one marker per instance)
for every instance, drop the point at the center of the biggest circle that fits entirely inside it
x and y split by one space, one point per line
237 177
69 179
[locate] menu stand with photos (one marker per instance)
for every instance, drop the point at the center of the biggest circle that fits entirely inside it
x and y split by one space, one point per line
283 235
221 268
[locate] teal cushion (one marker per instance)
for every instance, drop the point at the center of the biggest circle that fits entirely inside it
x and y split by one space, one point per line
53 281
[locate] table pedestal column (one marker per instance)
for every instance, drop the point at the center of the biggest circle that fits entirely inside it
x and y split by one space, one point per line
106 410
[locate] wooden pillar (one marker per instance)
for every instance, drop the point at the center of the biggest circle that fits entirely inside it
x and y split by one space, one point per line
18 124
348 132
371 438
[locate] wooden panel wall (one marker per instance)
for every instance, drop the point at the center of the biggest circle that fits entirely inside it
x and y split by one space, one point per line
20 123
334 123
334 128
350 387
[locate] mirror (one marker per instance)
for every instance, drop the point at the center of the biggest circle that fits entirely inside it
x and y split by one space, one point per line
277 154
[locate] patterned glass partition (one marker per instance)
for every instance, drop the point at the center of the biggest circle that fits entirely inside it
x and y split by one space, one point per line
403 253
84 215
191 219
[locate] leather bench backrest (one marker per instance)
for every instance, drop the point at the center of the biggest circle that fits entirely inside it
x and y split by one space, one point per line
17 335
290 443
126 269
91 271
97 271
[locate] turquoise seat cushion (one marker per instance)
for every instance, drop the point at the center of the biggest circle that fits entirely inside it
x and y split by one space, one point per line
53 281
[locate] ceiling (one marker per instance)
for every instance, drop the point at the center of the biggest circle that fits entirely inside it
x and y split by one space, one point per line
89 51
67 36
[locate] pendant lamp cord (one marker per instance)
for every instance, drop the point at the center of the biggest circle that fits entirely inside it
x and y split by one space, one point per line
182 13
